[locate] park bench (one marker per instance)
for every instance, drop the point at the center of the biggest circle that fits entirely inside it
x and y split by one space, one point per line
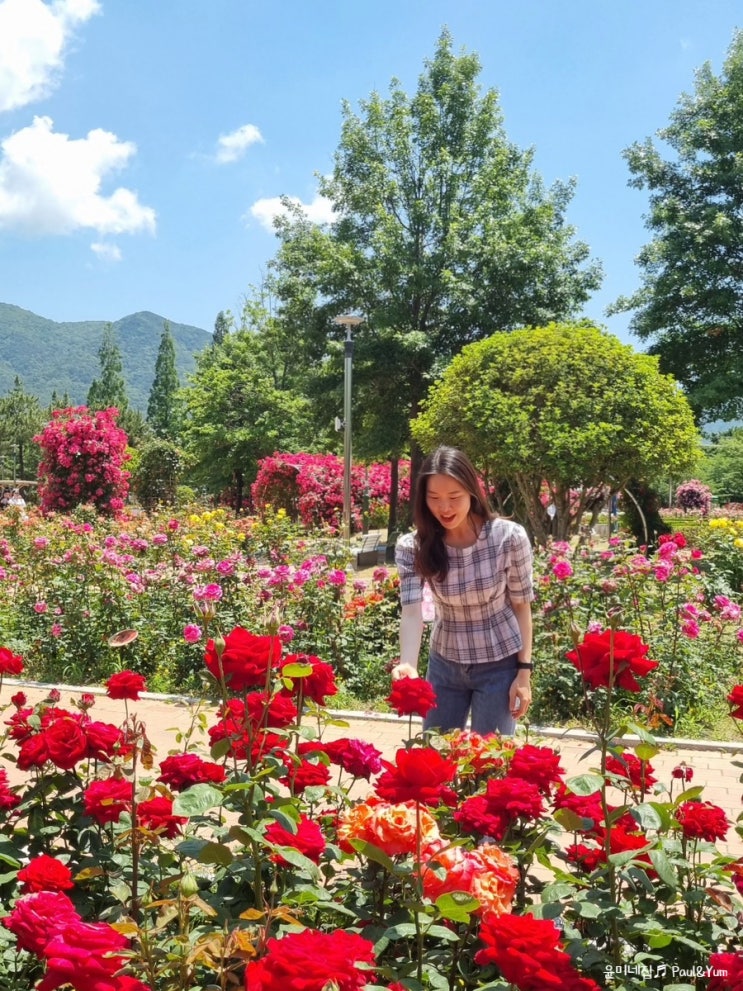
367 554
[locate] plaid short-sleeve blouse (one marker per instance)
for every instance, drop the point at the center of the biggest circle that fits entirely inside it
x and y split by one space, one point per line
474 620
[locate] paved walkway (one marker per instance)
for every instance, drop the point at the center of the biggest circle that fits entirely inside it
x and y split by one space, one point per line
713 764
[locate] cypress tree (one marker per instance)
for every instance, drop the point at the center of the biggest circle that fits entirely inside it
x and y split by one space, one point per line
110 388
162 407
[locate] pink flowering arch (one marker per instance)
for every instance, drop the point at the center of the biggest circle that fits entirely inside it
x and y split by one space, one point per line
83 454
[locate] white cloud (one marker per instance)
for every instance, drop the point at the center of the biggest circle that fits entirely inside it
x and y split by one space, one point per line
319 210
106 251
232 146
33 37
51 183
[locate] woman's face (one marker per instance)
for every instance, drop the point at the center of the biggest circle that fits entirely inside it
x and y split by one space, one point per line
449 501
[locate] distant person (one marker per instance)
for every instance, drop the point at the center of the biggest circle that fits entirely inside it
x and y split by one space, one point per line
16 499
479 568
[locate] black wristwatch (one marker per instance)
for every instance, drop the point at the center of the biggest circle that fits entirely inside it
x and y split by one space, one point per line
524 666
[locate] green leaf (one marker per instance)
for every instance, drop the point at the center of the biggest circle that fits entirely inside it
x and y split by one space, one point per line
196 800
372 852
647 816
457 906
585 784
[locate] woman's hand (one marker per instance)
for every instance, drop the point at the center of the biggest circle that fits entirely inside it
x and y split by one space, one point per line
404 671
519 695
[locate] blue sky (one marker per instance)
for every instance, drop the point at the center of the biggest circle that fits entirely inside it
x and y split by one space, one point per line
143 143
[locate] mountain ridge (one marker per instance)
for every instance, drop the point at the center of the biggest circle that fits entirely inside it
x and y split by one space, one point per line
62 356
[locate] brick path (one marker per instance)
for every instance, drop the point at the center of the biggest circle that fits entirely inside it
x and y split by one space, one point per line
712 763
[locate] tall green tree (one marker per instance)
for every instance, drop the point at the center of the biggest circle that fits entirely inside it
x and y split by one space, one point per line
234 414
162 407
443 234
110 388
21 418
690 304
222 327
565 405
723 466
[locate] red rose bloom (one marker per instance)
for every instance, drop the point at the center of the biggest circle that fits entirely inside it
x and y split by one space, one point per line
8 798
475 816
245 661
355 756
638 772
276 711
702 821
105 740
594 657
527 953
10 663
310 961
513 798
308 839
412 697
180 771
726 972
66 742
125 685
735 698
419 775
539 765
588 807
106 800
156 814
45 873
37 917
304 774
317 685
33 752
84 955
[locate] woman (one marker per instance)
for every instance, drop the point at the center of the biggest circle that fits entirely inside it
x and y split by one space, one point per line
479 568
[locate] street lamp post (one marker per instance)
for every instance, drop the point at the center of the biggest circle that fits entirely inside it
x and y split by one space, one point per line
349 322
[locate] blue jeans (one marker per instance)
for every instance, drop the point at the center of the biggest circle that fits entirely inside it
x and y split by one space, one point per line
477 690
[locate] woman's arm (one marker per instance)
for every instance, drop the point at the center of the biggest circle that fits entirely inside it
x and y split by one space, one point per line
519 696
411 632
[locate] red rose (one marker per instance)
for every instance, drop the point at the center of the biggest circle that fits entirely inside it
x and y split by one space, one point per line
304 774
45 873
418 774
84 954
539 765
33 752
355 756
526 952
474 816
514 798
245 661
105 740
317 685
735 698
125 685
156 814
308 839
276 711
613 657
10 663
37 917
702 821
312 960
8 798
726 971
66 742
180 771
638 772
106 800
412 697
588 807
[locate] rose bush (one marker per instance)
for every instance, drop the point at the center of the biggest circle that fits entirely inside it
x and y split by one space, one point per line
465 863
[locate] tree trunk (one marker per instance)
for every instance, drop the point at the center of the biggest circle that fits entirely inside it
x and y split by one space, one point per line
394 493
239 490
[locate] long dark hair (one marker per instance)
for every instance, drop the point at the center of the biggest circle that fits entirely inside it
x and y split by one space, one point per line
431 557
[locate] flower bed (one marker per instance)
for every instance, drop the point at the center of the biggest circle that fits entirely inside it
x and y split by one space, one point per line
464 863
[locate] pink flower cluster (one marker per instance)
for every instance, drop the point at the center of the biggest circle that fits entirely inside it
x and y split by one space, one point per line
82 458
310 486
